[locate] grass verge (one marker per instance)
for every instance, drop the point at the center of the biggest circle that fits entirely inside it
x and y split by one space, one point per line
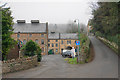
71 60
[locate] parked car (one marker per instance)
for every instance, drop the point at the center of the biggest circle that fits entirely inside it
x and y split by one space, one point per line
67 53
50 52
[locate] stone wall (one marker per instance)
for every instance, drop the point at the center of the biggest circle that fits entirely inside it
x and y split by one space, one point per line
110 44
19 64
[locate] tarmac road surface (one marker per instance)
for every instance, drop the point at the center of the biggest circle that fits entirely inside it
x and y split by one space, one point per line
104 65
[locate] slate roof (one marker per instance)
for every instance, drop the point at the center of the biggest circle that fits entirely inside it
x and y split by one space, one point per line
29 27
53 36
63 36
58 28
69 36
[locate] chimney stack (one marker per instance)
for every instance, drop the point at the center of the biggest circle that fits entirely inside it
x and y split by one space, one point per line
20 21
34 21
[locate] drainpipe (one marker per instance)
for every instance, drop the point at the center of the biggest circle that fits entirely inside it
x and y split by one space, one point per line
59 43
47 36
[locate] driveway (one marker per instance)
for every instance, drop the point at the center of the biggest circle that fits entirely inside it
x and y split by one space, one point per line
104 65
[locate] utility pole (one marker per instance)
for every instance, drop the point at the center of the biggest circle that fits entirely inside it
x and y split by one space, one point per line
78 43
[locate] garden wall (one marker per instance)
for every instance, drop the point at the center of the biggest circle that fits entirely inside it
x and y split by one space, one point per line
19 64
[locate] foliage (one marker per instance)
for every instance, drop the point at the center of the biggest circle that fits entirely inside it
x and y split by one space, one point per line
7 30
39 56
71 60
98 33
112 45
85 46
31 49
105 20
39 53
84 40
73 28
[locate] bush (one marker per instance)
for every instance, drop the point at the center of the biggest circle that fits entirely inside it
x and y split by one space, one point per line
31 49
39 56
85 45
39 53
98 34
114 38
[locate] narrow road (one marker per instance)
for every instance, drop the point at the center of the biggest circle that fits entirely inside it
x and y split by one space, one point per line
104 65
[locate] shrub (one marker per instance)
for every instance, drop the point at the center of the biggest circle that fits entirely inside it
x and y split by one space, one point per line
39 56
39 53
98 34
30 48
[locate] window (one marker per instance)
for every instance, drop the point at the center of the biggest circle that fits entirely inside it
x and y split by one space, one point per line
42 41
62 42
30 35
69 42
18 35
56 50
52 45
24 41
56 45
56 40
48 45
42 49
75 42
42 35
36 41
48 40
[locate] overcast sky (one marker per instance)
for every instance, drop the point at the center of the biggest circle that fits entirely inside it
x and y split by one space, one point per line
51 11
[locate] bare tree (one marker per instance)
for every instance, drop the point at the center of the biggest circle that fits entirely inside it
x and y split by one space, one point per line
93 5
83 28
73 28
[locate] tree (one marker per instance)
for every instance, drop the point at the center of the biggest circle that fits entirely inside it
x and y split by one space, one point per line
73 28
30 48
105 20
83 28
7 30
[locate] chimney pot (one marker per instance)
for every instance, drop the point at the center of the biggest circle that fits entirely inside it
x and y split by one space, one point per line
20 21
34 21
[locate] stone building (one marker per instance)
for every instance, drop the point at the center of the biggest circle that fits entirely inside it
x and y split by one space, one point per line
35 31
60 41
38 32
